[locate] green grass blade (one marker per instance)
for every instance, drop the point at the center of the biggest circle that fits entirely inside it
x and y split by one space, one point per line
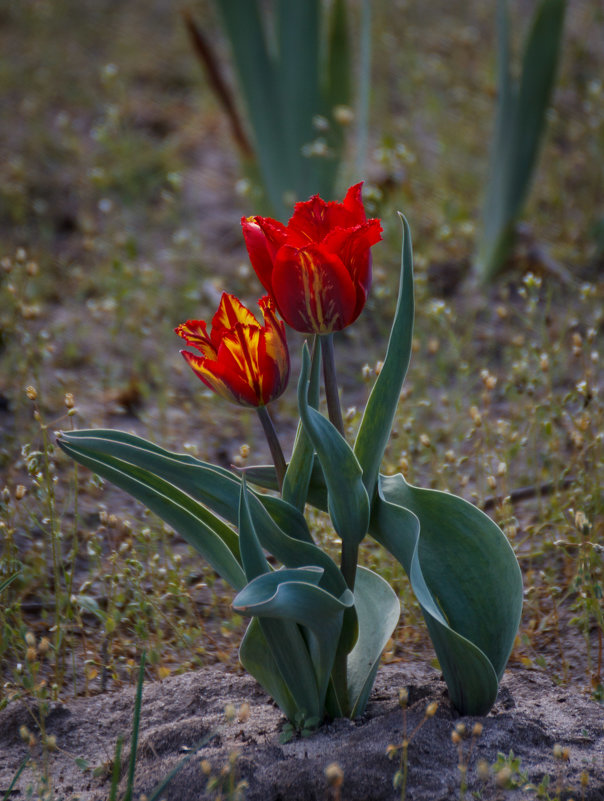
136 719
9 580
374 431
117 766
15 779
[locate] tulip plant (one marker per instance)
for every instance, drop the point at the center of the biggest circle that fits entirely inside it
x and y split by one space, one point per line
318 628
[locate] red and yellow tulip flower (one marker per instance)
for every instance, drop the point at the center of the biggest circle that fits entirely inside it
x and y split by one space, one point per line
317 269
241 360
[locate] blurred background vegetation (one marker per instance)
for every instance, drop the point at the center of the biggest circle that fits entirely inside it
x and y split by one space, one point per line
120 197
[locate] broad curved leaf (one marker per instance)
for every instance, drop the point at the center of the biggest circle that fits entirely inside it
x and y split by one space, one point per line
256 657
214 487
466 579
378 610
286 644
293 553
176 508
294 595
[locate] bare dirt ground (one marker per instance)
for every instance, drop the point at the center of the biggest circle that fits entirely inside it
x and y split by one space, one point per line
530 718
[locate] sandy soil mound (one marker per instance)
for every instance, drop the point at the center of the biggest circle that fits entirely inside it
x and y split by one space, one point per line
531 716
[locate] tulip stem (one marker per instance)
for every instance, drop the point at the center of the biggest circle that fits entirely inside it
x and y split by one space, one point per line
331 383
273 444
348 564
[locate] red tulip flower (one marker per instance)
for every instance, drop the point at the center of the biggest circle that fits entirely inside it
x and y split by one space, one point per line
317 269
241 360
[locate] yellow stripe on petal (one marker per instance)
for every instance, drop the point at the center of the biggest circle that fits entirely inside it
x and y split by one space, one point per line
241 345
228 385
243 362
313 290
230 312
196 335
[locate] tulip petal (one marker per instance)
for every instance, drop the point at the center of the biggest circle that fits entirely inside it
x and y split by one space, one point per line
352 246
231 311
313 290
273 355
314 219
353 202
242 361
263 237
196 335
221 380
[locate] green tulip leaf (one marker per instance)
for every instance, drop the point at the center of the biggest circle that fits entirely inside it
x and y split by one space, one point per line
256 657
252 556
263 475
214 487
374 431
286 654
201 530
378 610
348 502
299 469
291 552
294 595
466 579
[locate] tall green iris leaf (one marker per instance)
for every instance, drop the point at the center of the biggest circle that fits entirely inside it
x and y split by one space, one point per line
292 66
519 127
